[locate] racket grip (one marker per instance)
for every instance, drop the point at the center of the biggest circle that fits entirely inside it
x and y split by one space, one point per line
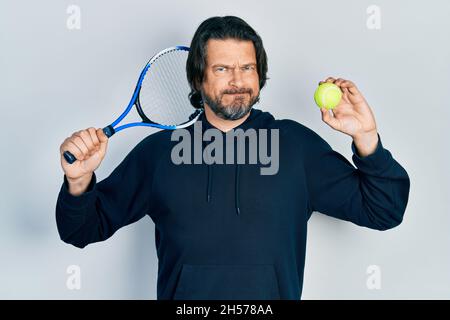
70 158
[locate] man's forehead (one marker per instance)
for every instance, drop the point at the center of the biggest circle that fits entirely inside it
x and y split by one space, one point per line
230 50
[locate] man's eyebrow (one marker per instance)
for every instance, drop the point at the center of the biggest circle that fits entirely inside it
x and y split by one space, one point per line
229 66
220 65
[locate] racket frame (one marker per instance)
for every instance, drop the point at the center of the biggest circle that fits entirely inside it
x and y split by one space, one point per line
112 129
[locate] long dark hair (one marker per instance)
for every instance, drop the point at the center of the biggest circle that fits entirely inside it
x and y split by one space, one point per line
228 27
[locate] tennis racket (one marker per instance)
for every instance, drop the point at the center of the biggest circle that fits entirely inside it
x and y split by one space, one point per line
160 97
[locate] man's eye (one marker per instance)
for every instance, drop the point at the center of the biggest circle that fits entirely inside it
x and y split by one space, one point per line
249 68
221 69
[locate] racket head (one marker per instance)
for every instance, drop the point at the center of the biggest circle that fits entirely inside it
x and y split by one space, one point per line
163 90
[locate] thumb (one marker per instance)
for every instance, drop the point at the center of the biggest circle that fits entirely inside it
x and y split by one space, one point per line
102 136
103 141
328 119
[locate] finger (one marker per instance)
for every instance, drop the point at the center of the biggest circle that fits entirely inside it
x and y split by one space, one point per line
79 142
350 86
329 79
345 94
103 141
102 136
63 146
328 119
87 140
348 83
339 81
74 149
93 134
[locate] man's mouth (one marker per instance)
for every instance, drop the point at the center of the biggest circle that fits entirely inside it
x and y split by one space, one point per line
237 93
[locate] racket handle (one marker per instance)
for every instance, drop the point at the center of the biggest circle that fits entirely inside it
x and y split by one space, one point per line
70 158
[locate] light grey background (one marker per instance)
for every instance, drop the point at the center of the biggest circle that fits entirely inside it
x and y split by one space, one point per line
54 81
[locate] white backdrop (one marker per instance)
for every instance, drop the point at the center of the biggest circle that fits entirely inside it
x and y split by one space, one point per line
55 80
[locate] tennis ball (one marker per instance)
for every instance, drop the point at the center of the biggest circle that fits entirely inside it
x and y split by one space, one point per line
328 95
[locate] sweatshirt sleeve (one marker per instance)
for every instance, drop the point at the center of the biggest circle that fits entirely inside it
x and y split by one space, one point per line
373 195
120 199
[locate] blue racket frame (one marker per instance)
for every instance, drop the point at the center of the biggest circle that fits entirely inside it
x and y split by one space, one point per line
112 129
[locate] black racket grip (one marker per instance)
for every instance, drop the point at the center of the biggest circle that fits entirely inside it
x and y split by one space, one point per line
70 158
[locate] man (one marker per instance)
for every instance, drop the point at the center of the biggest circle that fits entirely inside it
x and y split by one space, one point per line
226 231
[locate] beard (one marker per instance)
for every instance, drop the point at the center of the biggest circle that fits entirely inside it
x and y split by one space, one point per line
234 111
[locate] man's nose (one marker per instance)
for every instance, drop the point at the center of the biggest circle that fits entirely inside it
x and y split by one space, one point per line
236 78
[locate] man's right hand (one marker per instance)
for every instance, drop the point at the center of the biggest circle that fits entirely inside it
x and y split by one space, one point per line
89 147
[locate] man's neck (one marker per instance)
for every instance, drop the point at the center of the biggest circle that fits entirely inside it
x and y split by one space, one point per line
222 124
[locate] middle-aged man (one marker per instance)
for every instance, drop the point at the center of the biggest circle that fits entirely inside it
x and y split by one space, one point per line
228 231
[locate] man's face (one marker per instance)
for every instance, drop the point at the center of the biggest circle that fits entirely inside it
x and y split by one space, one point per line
231 84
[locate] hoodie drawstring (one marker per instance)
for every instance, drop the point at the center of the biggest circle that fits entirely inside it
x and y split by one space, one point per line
208 188
237 184
257 119
238 210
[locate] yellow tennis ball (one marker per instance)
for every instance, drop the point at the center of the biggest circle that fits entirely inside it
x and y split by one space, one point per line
328 95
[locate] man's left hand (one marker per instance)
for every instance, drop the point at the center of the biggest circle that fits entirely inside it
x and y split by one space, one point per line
353 117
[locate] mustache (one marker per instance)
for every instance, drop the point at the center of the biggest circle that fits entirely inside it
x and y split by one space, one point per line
235 91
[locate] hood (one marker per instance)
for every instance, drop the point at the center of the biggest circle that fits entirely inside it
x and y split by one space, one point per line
257 119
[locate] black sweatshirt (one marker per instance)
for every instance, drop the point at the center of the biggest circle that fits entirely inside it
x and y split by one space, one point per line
225 231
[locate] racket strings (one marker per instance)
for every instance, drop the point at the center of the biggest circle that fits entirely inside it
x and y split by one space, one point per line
170 84
170 76
180 106
164 94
